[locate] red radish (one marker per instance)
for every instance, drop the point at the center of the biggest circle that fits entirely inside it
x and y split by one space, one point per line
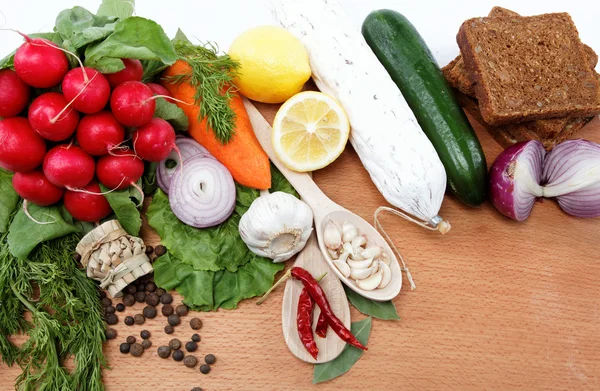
34 187
99 133
49 118
89 92
119 171
14 94
21 149
133 72
132 103
157 89
153 142
89 206
40 63
68 166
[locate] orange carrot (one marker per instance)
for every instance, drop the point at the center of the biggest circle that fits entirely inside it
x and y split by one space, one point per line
242 155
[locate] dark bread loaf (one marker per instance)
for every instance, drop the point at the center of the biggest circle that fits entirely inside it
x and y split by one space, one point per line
528 68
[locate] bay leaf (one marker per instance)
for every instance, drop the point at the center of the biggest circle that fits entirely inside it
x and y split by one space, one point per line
385 310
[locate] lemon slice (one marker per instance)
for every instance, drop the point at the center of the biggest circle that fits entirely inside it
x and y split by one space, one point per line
310 131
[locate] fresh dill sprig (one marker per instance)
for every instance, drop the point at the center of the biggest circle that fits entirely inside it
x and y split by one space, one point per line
212 77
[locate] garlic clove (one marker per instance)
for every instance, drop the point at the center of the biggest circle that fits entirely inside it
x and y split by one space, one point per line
369 284
371 252
332 236
359 274
358 242
343 268
356 255
333 254
349 232
385 259
347 248
344 257
360 264
387 275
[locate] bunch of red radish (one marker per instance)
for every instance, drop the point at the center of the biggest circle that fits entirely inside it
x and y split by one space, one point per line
70 138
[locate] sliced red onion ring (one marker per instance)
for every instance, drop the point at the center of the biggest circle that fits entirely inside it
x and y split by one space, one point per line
204 194
188 148
572 175
515 178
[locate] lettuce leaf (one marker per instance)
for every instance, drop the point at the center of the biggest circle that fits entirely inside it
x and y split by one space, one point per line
119 8
8 199
124 204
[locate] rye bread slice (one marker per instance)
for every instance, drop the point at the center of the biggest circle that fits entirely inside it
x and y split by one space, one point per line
528 68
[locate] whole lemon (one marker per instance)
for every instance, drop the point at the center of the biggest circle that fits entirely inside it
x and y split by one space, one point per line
274 64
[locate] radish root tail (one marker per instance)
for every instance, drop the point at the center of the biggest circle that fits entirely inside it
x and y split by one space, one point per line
139 189
78 190
26 211
167 97
68 106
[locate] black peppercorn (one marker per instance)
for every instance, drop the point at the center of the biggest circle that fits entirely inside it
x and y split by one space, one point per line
101 293
196 389
152 299
111 319
128 300
196 324
109 310
191 346
210 359
174 320
111 333
130 340
182 310
76 257
136 350
149 250
146 344
124 348
129 321
106 302
160 291
140 286
166 298
160 250
167 309
120 307
140 297
149 312
150 287
204 368
164 352
190 361
196 337
139 319
145 334
169 329
130 289
178 355
175 344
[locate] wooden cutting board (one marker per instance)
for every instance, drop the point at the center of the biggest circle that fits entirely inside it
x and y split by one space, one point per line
499 305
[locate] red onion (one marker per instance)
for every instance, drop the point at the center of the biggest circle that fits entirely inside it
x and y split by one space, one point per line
204 194
515 177
572 175
188 148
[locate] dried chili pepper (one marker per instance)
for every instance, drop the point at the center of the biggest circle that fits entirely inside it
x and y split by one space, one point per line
322 326
304 323
318 295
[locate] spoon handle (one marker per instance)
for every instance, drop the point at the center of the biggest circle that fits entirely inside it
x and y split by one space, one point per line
302 182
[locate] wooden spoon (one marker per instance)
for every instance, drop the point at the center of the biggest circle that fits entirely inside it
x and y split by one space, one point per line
325 210
311 259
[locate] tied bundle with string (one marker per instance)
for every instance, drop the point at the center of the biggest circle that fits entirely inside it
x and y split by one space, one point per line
113 257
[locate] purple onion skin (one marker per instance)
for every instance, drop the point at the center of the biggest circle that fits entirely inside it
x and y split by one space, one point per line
188 148
502 180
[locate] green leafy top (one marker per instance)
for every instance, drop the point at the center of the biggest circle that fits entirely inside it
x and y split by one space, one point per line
124 205
80 27
172 113
119 8
8 199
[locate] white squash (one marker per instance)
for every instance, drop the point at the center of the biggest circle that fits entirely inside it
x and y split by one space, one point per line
401 160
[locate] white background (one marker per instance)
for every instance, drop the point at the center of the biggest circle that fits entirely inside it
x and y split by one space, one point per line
222 20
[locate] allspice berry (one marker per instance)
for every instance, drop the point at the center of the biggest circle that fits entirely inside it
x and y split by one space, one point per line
130 289
111 333
128 300
129 321
109 310
149 250
169 329
139 319
160 250
210 359
152 299
166 298
178 355
190 361
146 344
136 350
196 338
140 297
196 324
131 340
150 287
175 344
111 319
149 312
174 320
204 368
167 309
145 334
160 291
120 307
163 352
197 389
191 346
182 310
106 302
124 348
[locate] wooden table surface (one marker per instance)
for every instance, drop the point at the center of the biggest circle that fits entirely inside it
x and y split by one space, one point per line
499 305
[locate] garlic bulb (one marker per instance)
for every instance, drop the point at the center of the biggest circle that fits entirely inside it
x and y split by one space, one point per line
276 226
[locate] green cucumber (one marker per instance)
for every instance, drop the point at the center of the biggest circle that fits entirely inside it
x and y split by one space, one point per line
408 60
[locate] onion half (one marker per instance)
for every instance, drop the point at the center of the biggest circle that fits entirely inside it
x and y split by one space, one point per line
188 148
572 176
203 195
515 179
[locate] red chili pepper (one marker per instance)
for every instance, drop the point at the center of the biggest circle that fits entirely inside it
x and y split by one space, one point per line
318 295
322 326
304 321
